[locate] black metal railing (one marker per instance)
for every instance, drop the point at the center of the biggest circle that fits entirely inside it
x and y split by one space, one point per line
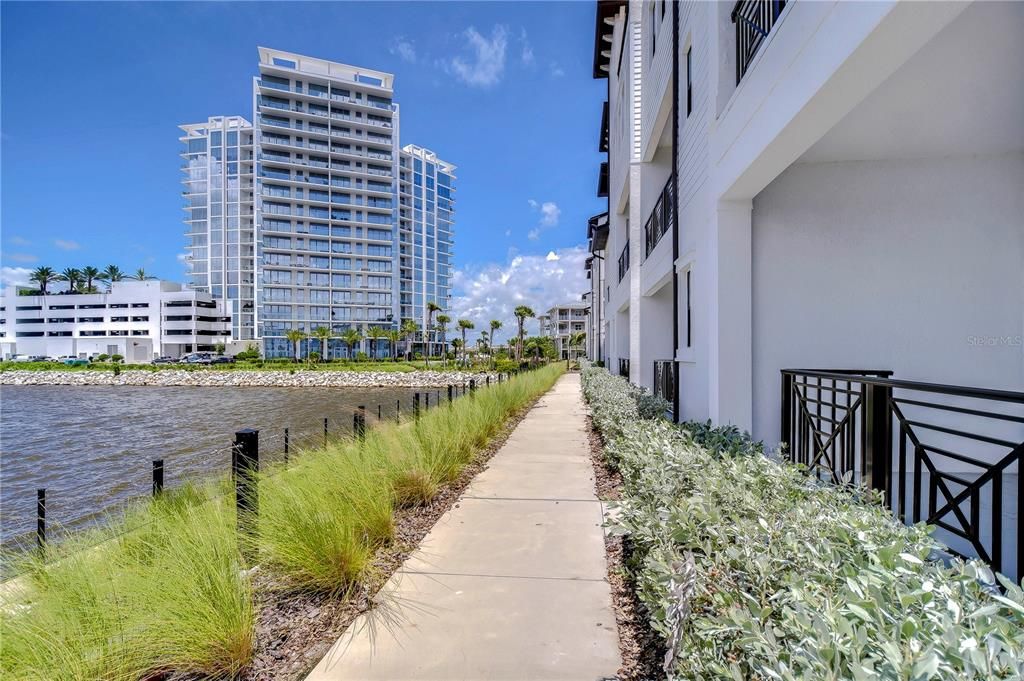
662 218
624 261
665 380
960 446
754 20
624 367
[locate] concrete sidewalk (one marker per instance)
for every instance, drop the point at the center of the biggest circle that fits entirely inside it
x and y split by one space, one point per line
511 583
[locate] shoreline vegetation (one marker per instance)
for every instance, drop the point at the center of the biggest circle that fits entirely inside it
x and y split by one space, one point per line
172 589
748 568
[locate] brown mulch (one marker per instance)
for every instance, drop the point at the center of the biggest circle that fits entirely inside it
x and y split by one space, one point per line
295 630
641 649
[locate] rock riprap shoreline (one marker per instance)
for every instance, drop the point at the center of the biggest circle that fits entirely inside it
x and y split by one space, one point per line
299 378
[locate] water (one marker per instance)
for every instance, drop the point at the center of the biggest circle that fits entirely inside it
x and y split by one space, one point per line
92 447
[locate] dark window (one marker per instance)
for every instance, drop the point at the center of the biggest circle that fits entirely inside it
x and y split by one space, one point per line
689 337
140 304
26 308
689 82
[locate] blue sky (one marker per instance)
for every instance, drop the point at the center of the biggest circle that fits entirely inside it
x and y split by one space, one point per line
92 94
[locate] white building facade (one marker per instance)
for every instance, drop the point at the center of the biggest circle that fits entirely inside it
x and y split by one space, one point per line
815 232
139 320
561 323
318 239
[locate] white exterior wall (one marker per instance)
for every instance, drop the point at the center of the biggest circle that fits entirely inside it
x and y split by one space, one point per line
146 333
820 62
930 282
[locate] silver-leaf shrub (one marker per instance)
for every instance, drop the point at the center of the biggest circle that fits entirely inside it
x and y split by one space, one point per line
751 570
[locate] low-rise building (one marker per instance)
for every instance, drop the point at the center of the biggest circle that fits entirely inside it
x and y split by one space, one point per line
561 322
139 320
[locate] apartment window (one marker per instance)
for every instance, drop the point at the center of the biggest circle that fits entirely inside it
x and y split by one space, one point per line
689 317
689 81
140 304
27 308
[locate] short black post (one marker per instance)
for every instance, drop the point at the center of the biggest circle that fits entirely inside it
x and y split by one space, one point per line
359 422
439 398
398 411
379 412
41 521
286 443
786 423
472 385
246 467
426 397
416 406
449 393
325 432
878 437
488 380
158 477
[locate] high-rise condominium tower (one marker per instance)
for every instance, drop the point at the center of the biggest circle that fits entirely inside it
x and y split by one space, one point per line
426 233
218 191
324 233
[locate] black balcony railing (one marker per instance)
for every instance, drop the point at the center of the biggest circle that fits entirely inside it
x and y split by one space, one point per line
754 20
602 180
662 218
624 261
946 455
624 367
665 380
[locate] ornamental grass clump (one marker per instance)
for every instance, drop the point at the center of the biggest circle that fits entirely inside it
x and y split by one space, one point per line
169 597
749 569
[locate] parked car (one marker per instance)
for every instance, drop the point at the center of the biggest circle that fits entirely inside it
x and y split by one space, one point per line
72 361
165 360
197 358
222 359
21 358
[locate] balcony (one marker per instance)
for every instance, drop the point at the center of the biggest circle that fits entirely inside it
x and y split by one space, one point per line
624 261
945 455
602 181
597 232
754 20
662 218
602 144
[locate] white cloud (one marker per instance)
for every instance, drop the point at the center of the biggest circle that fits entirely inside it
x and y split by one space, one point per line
493 290
66 245
182 259
19 241
20 257
486 65
14 276
549 214
527 49
556 70
508 232
404 48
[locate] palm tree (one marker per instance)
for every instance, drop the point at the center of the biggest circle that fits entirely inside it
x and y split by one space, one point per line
73 276
409 329
393 336
442 326
465 325
141 275
575 341
375 333
323 334
456 344
110 274
432 307
483 342
295 336
90 273
43 276
495 325
351 337
522 312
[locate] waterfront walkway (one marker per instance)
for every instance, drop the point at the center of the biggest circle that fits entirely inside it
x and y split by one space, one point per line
510 583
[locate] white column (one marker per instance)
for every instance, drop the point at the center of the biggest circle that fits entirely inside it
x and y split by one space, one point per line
730 369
